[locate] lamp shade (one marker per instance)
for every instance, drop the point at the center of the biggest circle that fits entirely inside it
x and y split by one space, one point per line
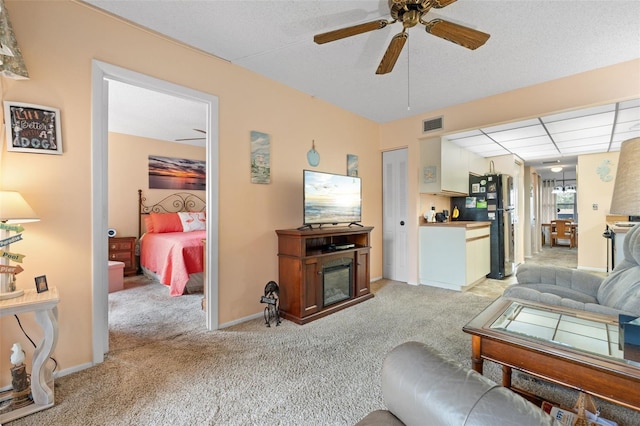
11 62
626 191
14 209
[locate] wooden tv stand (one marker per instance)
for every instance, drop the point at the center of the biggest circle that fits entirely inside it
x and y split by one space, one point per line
303 258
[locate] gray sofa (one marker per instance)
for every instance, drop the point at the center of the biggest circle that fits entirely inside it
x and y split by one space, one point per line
420 387
618 293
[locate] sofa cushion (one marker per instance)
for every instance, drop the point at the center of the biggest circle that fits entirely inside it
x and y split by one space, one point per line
544 293
562 277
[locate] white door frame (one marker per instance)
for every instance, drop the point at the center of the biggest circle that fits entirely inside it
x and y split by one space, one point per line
100 73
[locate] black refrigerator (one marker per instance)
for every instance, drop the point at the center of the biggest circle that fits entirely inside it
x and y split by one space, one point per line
491 199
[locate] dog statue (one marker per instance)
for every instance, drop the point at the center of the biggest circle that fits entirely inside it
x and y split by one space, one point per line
272 299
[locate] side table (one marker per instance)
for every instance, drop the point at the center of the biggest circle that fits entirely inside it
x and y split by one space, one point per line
45 307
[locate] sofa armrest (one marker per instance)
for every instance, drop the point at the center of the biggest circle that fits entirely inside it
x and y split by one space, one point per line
565 277
420 387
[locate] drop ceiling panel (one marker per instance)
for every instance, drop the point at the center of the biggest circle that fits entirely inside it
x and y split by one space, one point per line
591 132
585 112
517 134
586 149
539 141
586 142
583 122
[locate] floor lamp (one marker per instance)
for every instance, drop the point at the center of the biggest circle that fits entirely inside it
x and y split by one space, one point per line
14 211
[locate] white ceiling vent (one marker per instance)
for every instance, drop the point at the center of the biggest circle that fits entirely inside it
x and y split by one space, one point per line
432 124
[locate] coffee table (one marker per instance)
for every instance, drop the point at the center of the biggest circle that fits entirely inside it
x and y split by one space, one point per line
570 347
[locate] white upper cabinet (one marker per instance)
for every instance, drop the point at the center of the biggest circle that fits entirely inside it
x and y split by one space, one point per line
444 168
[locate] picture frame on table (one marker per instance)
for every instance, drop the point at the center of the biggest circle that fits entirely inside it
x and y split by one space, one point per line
41 284
32 128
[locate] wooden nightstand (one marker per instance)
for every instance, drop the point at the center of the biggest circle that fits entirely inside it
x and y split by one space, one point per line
122 249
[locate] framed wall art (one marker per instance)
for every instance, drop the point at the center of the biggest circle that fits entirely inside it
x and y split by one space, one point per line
177 173
260 157
352 165
32 128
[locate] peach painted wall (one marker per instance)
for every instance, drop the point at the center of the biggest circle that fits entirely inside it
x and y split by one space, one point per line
604 85
592 189
59 39
129 171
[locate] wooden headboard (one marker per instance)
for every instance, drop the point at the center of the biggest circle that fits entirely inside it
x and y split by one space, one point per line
176 202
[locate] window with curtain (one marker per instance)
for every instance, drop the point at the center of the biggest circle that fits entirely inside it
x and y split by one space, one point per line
547 202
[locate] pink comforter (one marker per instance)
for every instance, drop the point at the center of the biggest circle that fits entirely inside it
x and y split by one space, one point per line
173 256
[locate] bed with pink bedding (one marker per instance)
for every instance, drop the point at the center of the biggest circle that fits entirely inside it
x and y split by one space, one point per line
173 257
171 241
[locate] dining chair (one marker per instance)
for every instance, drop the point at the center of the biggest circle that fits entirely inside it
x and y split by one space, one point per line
562 230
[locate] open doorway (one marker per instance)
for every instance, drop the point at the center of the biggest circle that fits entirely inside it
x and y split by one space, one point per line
102 73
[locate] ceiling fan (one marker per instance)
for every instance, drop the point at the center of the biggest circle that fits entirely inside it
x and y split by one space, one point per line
410 13
193 139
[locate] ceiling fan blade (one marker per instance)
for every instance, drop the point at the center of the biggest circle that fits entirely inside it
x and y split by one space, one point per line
393 52
349 31
459 34
439 4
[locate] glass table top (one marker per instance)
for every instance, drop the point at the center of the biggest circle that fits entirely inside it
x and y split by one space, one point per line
589 335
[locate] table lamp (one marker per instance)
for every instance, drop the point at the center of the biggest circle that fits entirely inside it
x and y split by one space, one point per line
626 195
14 211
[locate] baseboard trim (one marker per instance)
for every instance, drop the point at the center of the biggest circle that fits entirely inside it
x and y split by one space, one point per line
74 369
241 320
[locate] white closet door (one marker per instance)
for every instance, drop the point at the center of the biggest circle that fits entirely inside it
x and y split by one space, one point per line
394 220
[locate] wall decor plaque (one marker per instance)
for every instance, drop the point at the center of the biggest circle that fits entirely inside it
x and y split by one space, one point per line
32 128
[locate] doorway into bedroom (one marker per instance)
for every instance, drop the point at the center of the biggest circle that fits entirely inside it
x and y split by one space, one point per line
117 140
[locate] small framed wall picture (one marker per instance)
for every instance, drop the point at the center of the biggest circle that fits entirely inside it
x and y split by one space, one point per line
41 284
32 128
352 165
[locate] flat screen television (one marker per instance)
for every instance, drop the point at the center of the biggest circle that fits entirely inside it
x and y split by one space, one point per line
331 198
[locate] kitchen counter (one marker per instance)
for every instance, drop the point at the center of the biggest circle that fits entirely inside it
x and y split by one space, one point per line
454 255
458 224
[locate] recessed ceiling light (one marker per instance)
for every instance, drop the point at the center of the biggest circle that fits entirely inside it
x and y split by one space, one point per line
556 169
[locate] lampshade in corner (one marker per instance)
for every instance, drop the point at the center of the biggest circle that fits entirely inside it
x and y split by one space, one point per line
11 62
626 191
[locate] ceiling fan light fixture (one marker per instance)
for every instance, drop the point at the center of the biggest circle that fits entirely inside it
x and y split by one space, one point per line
410 13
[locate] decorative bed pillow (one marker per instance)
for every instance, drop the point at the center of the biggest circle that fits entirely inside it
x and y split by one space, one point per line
166 222
148 224
193 221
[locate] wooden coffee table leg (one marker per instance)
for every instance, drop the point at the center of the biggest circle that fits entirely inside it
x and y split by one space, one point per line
476 353
506 376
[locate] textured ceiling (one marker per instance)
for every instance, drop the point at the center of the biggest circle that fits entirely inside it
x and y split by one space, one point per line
531 42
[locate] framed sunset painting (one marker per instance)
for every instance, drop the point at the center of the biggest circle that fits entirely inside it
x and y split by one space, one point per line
177 173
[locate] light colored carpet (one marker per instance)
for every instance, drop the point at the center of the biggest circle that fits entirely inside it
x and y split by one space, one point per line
164 368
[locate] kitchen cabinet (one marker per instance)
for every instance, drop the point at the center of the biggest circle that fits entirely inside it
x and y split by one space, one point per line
454 255
444 168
